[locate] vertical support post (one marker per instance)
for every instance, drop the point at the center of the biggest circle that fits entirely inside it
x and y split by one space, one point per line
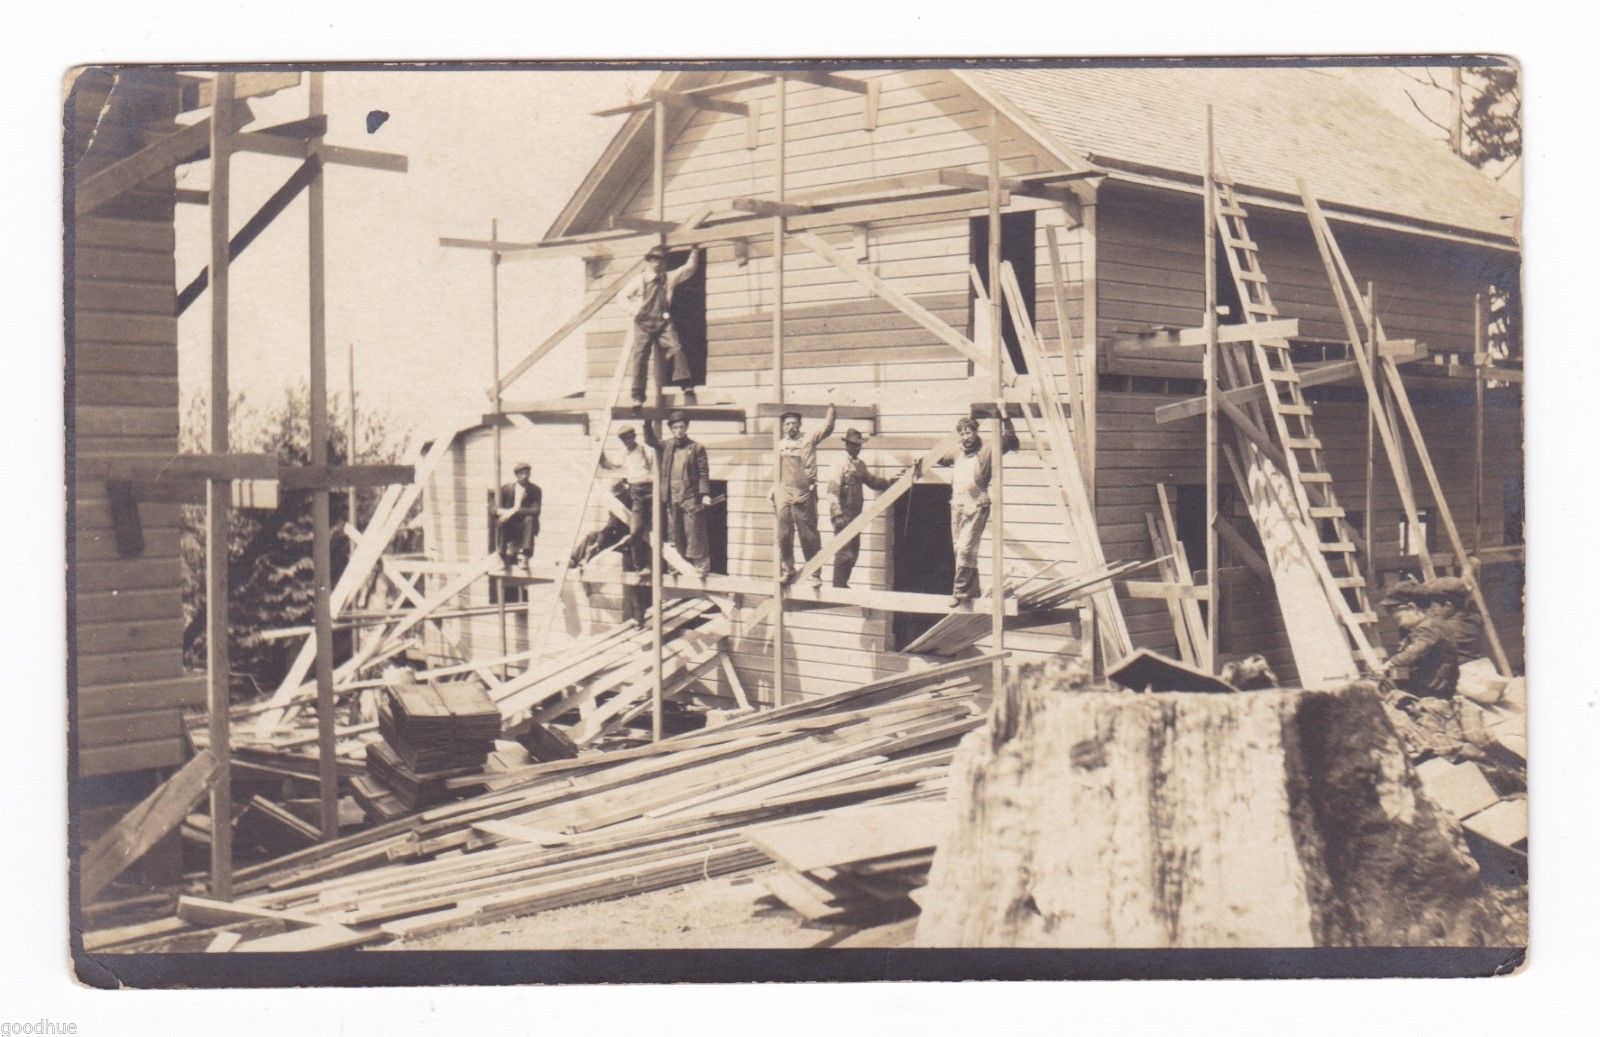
1213 589
351 498
1457 142
658 175
321 560
997 495
1089 249
218 502
1370 503
779 227
499 457
1478 374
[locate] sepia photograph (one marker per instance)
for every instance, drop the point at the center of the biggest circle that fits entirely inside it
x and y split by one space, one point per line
923 519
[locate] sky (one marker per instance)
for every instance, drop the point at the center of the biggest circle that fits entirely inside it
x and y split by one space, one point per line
511 146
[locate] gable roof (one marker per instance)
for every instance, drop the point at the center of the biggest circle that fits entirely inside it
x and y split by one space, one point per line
1272 125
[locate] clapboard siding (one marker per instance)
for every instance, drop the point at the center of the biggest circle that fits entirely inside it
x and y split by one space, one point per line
1150 253
128 615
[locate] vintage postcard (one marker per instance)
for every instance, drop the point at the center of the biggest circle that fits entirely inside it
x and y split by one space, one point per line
884 519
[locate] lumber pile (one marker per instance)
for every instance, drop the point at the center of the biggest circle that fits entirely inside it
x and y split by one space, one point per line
609 824
857 866
431 733
1315 832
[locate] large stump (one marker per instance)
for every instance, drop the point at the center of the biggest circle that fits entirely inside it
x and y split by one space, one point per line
1263 819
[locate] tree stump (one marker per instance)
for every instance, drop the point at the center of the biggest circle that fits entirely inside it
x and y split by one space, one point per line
1280 818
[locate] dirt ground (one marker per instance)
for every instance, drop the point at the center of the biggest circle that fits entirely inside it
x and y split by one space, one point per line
721 913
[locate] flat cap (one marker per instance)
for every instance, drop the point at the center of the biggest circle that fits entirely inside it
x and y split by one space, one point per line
677 416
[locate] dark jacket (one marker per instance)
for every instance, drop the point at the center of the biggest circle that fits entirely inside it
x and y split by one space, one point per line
699 468
529 511
1428 659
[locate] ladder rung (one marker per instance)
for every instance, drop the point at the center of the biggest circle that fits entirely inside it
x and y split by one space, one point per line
1241 243
1231 210
1260 307
1343 547
1252 275
1364 617
1349 581
1316 477
1295 408
1329 511
1282 376
1303 444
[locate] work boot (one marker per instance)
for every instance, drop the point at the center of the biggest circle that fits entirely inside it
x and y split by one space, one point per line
689 396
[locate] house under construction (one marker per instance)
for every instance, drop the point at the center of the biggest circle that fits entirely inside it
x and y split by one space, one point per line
1260 342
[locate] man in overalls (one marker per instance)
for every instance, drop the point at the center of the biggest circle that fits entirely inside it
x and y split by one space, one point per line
796 496
652 324
973 464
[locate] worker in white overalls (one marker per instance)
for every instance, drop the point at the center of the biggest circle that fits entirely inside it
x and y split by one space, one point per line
796 496
973 464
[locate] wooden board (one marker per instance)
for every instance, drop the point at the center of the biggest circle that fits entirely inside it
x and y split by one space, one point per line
145 825
853 836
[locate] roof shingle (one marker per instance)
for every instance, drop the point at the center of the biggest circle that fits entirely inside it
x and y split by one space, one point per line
1273 125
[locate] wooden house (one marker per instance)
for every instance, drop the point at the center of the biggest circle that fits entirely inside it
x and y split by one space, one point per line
1102 212
125 591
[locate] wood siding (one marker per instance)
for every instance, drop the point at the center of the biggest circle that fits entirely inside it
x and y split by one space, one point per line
838 338
123 382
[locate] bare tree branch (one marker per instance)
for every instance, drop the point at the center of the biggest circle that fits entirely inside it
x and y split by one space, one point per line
1425 115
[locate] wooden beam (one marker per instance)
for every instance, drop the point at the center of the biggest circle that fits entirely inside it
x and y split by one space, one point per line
178 467
279 200
245 84
700 102
642 225
1253 432
126 174
219 523
144 826
342 476
847 411
1322 374
900 301
1151 590
827 79
708 413
1241 547
767 207
1263 331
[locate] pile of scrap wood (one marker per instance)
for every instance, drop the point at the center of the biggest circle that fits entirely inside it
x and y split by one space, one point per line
608 824
1039 592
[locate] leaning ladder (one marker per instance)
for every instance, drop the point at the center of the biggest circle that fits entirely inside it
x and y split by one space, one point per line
1335 540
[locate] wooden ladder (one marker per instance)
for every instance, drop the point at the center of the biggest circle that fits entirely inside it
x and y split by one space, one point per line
1291 418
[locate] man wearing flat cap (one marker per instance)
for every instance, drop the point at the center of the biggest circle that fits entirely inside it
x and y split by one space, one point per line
844 501
796 493
685 490
653 331
973 463
1426 664
517 517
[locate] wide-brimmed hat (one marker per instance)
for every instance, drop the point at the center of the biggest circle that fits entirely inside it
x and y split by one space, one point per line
853 435
658 252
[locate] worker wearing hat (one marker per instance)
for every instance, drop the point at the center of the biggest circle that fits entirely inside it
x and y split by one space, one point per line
1454 604
973 464
685 490
517 516
637 467
652 323
845 499
1426 664
796 493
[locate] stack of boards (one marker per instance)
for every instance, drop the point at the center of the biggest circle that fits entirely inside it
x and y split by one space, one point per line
431 733
616 823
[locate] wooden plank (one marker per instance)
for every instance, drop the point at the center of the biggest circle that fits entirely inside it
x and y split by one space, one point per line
145 825
1320 374
126 174
326 476
202 911
177 467
849 412
328 937
854 836
171 693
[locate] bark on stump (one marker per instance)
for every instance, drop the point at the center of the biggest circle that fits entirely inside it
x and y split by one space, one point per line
1278 818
